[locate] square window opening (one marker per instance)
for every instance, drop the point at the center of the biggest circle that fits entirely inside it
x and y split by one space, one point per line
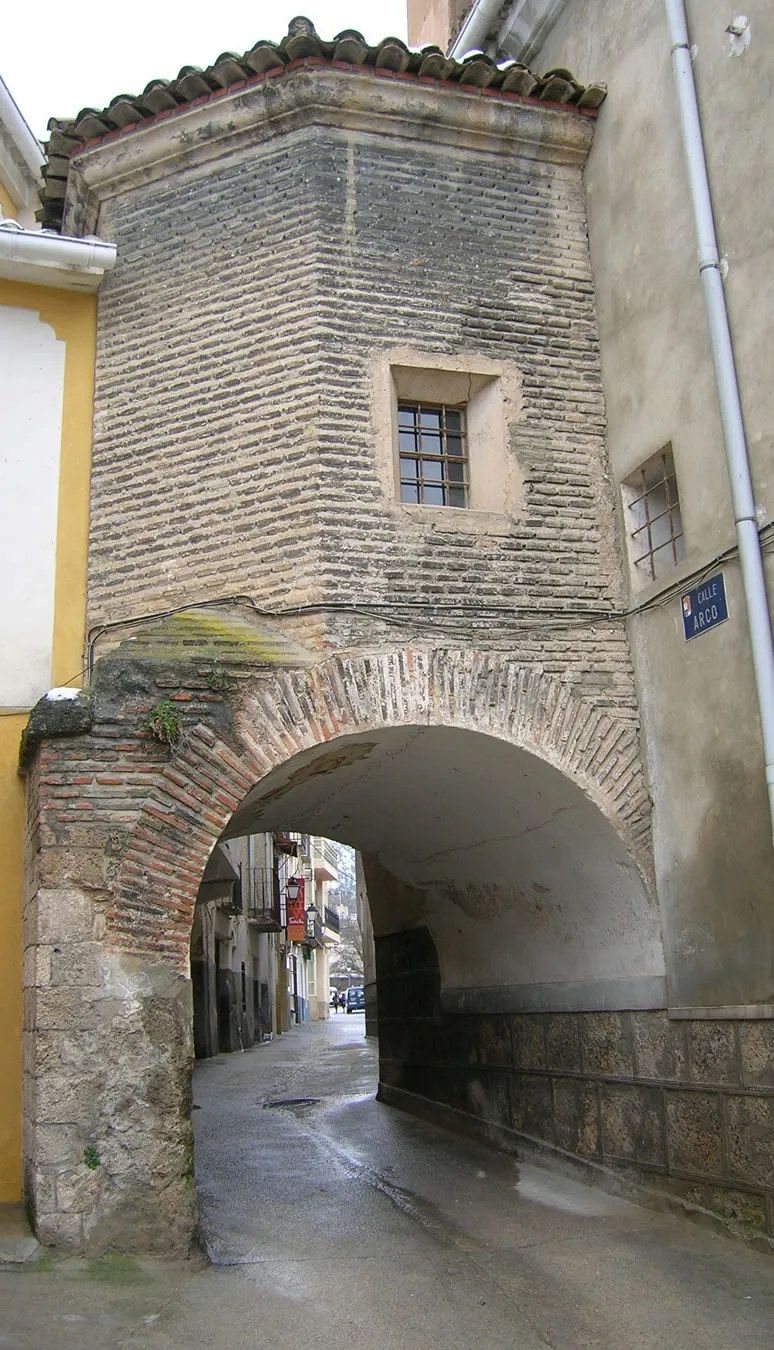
433 454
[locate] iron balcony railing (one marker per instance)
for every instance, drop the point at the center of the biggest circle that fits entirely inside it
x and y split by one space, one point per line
319 926
330 852
262 897
327 852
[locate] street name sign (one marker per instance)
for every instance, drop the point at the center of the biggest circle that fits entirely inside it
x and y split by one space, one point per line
704 607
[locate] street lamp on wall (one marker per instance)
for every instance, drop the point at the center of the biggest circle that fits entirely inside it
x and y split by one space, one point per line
292 888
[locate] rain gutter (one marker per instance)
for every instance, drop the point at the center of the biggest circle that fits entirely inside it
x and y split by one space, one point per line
48 259
737 458
475 30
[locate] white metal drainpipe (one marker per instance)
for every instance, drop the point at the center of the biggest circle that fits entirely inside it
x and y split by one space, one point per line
472 35
727 386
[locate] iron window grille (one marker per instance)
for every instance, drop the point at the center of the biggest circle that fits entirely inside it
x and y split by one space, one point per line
433 454
655 522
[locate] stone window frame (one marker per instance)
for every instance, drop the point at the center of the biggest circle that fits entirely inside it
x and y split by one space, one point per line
491 394
653 552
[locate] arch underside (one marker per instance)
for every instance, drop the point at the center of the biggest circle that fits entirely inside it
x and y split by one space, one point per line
536 751
528 890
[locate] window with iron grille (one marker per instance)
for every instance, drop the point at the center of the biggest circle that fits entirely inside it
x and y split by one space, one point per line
654 521
433 454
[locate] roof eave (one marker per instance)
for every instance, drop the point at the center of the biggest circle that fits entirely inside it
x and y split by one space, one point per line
21 155
353 99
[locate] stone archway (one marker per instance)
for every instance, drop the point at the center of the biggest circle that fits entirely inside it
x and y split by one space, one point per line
121 829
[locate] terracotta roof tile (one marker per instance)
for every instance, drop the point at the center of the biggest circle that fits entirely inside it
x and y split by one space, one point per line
301 44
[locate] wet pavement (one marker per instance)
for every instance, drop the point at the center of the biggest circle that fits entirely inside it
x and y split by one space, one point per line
333 1220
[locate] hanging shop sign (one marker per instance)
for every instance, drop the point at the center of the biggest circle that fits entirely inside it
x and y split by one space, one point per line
704 607
296 913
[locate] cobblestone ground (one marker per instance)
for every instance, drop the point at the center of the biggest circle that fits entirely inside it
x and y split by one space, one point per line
342 1223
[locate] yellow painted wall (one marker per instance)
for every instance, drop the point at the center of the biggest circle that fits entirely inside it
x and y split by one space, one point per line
72 315
8 207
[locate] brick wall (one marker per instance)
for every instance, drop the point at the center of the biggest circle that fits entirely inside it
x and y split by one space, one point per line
119 830
135 821
234 439
235 455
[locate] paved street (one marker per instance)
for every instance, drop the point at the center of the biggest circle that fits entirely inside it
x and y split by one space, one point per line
346 1224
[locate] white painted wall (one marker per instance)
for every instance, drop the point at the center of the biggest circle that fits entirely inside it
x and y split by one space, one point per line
31 388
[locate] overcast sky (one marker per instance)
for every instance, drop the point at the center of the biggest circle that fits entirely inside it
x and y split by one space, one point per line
56 59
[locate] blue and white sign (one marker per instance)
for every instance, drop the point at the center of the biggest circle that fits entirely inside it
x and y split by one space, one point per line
705 607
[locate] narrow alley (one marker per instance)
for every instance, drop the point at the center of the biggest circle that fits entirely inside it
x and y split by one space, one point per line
331 1219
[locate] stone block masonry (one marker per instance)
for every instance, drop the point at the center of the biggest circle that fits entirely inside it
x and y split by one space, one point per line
651 1101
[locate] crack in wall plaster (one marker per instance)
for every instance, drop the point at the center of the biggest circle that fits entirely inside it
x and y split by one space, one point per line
490 843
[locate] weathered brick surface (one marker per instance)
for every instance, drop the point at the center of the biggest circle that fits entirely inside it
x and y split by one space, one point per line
607 1044
659 1046
563 1042
252 469
576 1116
713 1052
529 1041
631 1122
138 825
694 1129
751 1139
757 1054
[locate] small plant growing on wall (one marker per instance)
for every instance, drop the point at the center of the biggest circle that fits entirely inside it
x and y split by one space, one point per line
163 722
217 679
91 1157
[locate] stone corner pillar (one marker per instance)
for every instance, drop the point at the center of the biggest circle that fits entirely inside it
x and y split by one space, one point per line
108 1044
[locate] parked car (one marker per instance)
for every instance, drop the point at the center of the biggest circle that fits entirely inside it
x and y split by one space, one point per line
356 999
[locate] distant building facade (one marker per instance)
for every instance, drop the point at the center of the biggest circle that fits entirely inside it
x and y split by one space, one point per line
254 973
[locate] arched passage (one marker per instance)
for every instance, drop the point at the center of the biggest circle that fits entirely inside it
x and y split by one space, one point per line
281 715
503 823
521 880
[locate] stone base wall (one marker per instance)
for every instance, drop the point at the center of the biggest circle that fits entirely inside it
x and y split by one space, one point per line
108 1061
684 1107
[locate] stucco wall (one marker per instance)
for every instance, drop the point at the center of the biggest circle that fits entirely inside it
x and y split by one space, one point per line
434 21
46 410
31 387
711 829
